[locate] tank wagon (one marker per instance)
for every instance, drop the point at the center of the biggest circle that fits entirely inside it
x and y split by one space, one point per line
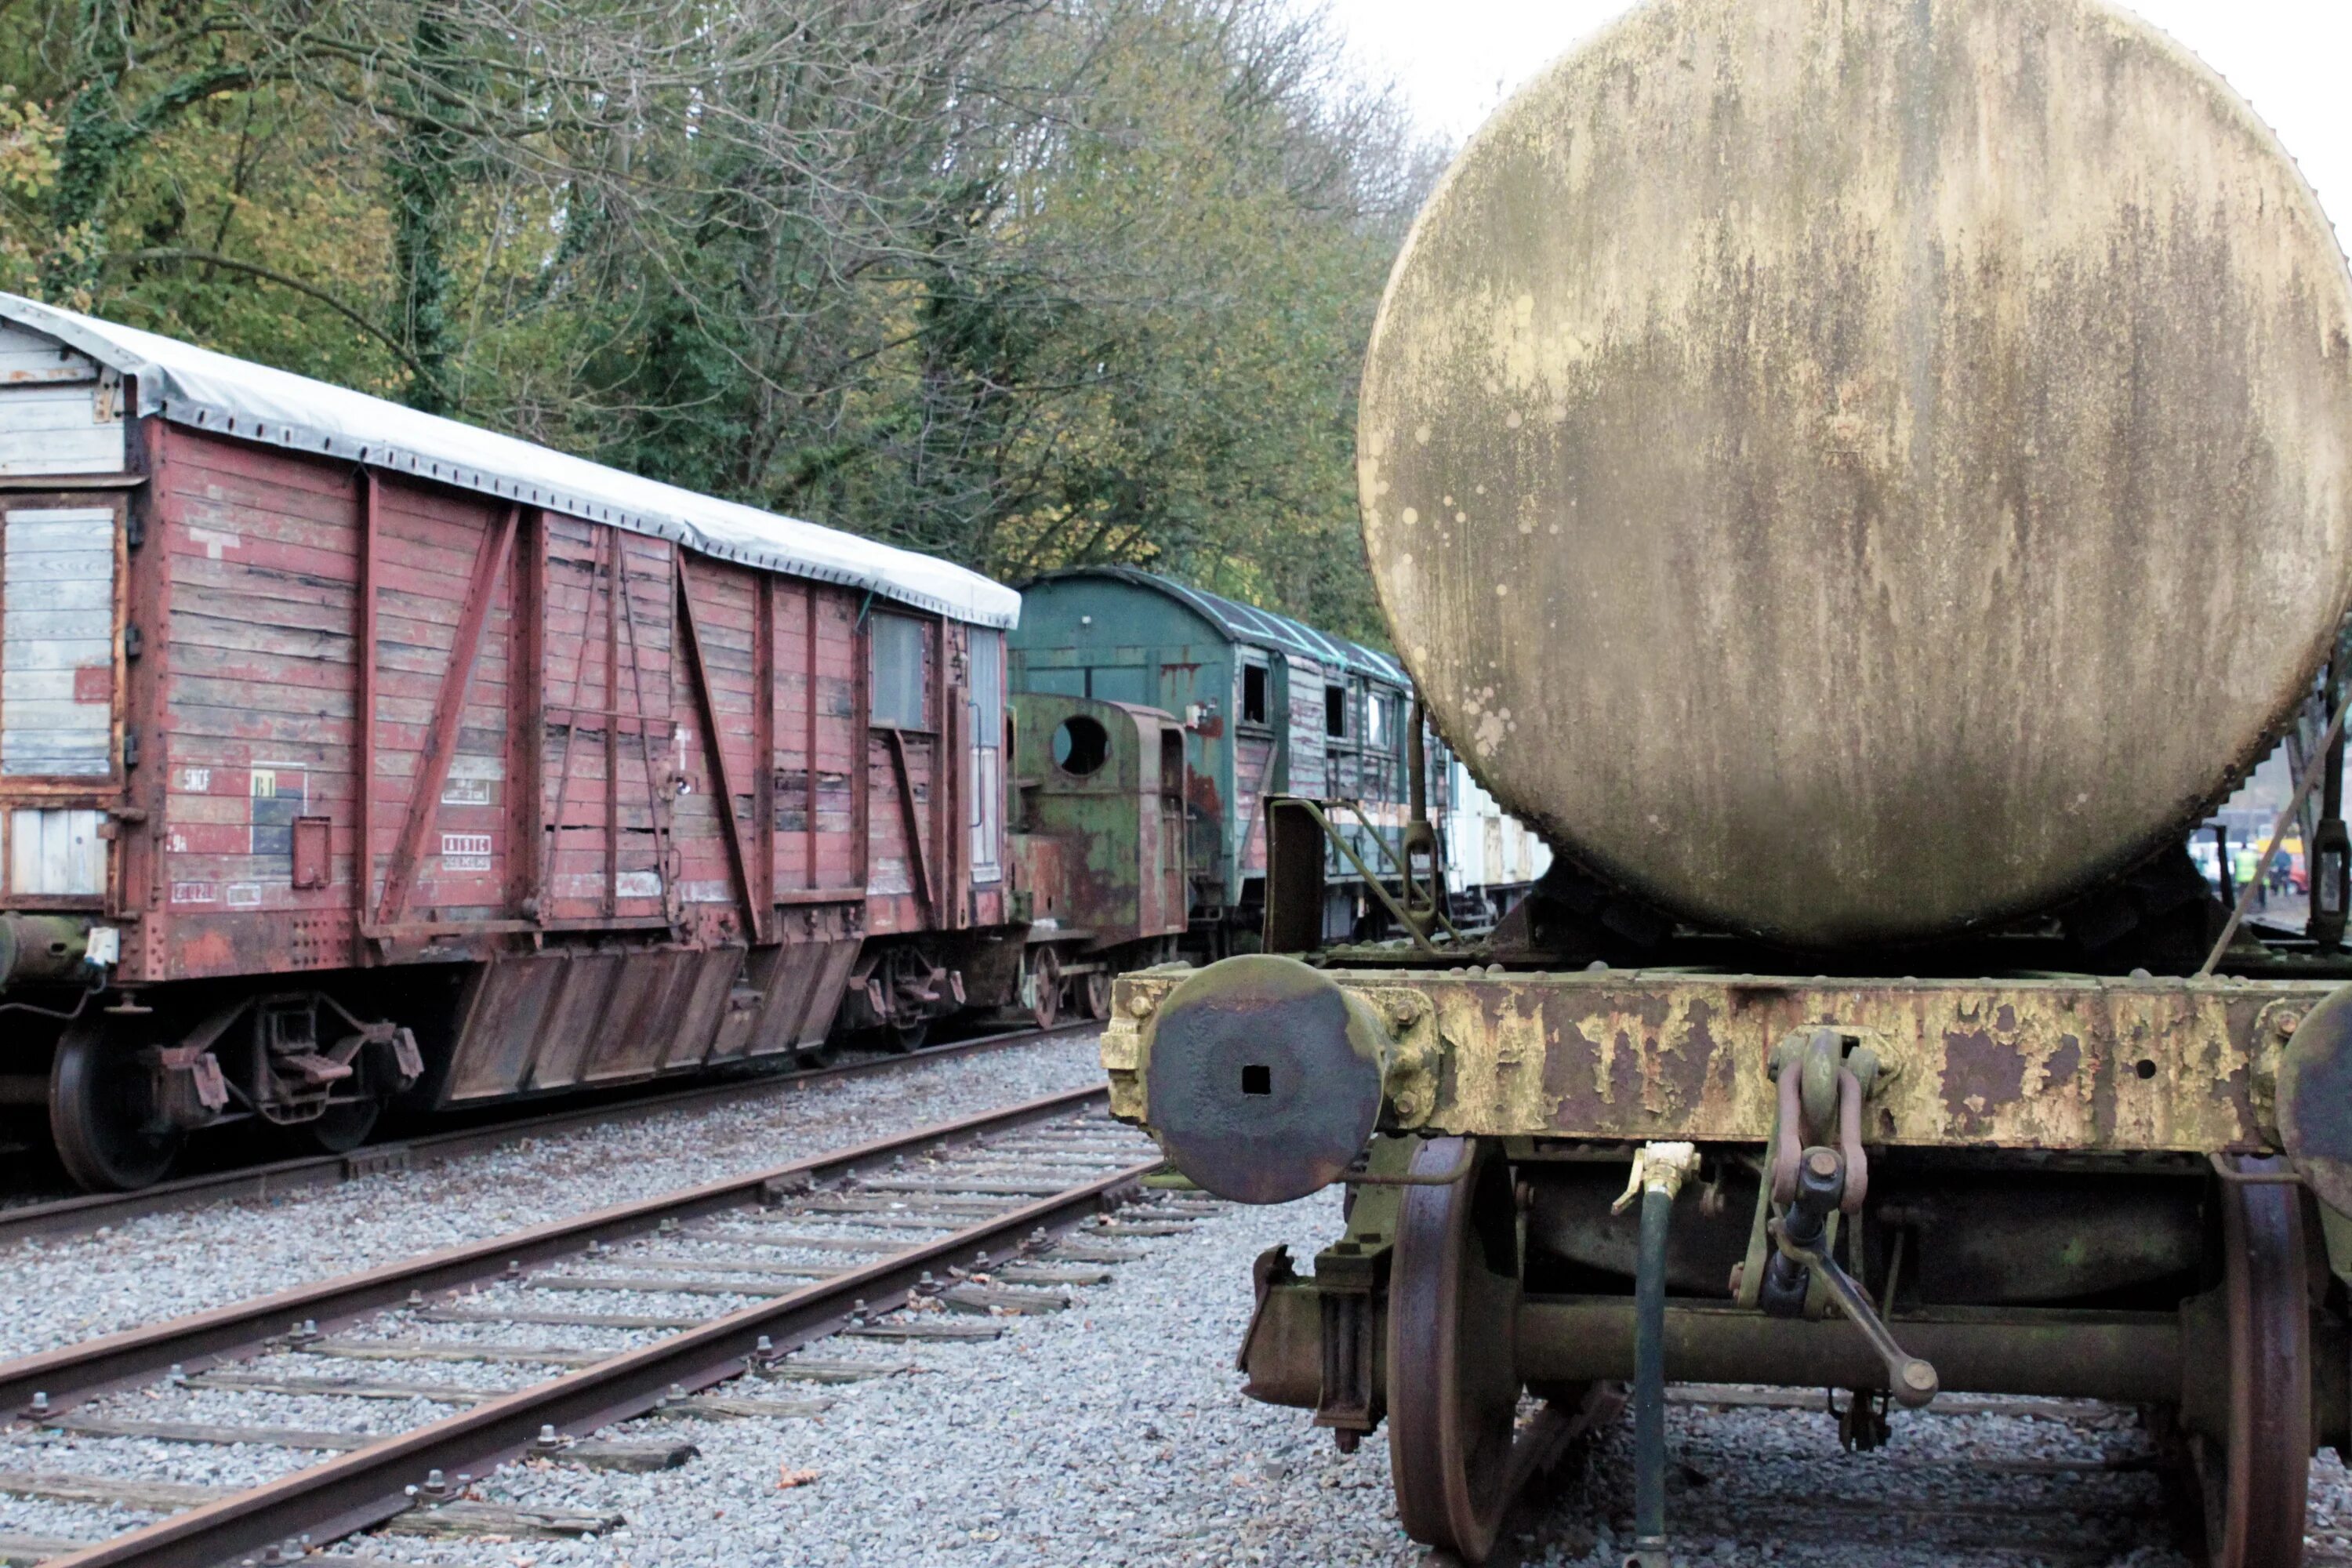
1864 480
1271 709
348 753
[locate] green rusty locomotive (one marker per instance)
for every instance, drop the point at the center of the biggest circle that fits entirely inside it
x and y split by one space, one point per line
1864 480
1162 733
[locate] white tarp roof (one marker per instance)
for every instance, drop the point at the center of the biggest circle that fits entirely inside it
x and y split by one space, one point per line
190 385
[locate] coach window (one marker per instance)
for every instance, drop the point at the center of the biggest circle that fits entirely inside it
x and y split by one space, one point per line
897 672
1255 702
1335 711
1380 729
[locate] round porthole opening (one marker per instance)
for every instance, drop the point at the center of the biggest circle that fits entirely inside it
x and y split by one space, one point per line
1081 746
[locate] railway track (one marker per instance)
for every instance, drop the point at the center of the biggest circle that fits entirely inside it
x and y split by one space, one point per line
646 1307
1757 1474
83 1213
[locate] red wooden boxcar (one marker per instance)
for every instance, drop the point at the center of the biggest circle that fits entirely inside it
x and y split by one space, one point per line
348 752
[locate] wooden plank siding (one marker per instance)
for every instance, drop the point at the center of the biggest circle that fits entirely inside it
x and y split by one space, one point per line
59 411
641 790
584 789
256 548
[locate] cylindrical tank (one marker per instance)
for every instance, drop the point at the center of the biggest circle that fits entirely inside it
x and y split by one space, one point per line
1852 472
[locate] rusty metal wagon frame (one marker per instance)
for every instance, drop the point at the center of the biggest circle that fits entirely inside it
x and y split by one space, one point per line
2068 1149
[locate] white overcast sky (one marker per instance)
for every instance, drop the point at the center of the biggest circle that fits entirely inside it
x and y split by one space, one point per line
1455 59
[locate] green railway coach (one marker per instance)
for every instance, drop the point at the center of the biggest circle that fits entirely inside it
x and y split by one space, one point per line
1269 708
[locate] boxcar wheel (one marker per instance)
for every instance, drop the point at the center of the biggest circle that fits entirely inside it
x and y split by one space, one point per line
907 1037
346 1125
1097 1000
1044 987
1454 1386
2253 1485
109 1133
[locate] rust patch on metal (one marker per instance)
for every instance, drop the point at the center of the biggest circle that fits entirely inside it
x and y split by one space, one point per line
2063 1062
2164 1064
1982 1072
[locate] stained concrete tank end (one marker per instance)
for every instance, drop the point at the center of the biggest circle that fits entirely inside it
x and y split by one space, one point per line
1852 472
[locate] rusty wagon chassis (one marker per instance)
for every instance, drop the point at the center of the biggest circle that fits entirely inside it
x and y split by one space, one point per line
2124 1189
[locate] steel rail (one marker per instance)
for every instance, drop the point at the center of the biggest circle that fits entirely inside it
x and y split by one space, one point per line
74 1373
79 1215
355 1490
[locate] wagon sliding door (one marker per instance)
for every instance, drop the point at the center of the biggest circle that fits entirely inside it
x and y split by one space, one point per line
477 813
436 616
608 747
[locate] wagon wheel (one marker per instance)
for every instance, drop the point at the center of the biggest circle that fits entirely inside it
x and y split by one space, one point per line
110 1132
1454 1385
1044 986
2253 1484
346 1123
904 970
1095 1001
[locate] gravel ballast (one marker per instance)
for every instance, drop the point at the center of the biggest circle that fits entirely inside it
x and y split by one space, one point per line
1116 1433
60 1289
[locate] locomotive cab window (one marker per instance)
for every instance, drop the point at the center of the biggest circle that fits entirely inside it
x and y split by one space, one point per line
1255 705
1081 746
1334 712
898 644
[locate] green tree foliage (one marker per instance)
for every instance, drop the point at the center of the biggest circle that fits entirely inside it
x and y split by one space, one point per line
1020 282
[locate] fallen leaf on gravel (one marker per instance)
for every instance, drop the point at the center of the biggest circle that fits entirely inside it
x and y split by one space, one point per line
789 1477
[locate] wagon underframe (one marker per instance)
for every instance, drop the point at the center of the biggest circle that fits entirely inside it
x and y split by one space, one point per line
2122 1189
